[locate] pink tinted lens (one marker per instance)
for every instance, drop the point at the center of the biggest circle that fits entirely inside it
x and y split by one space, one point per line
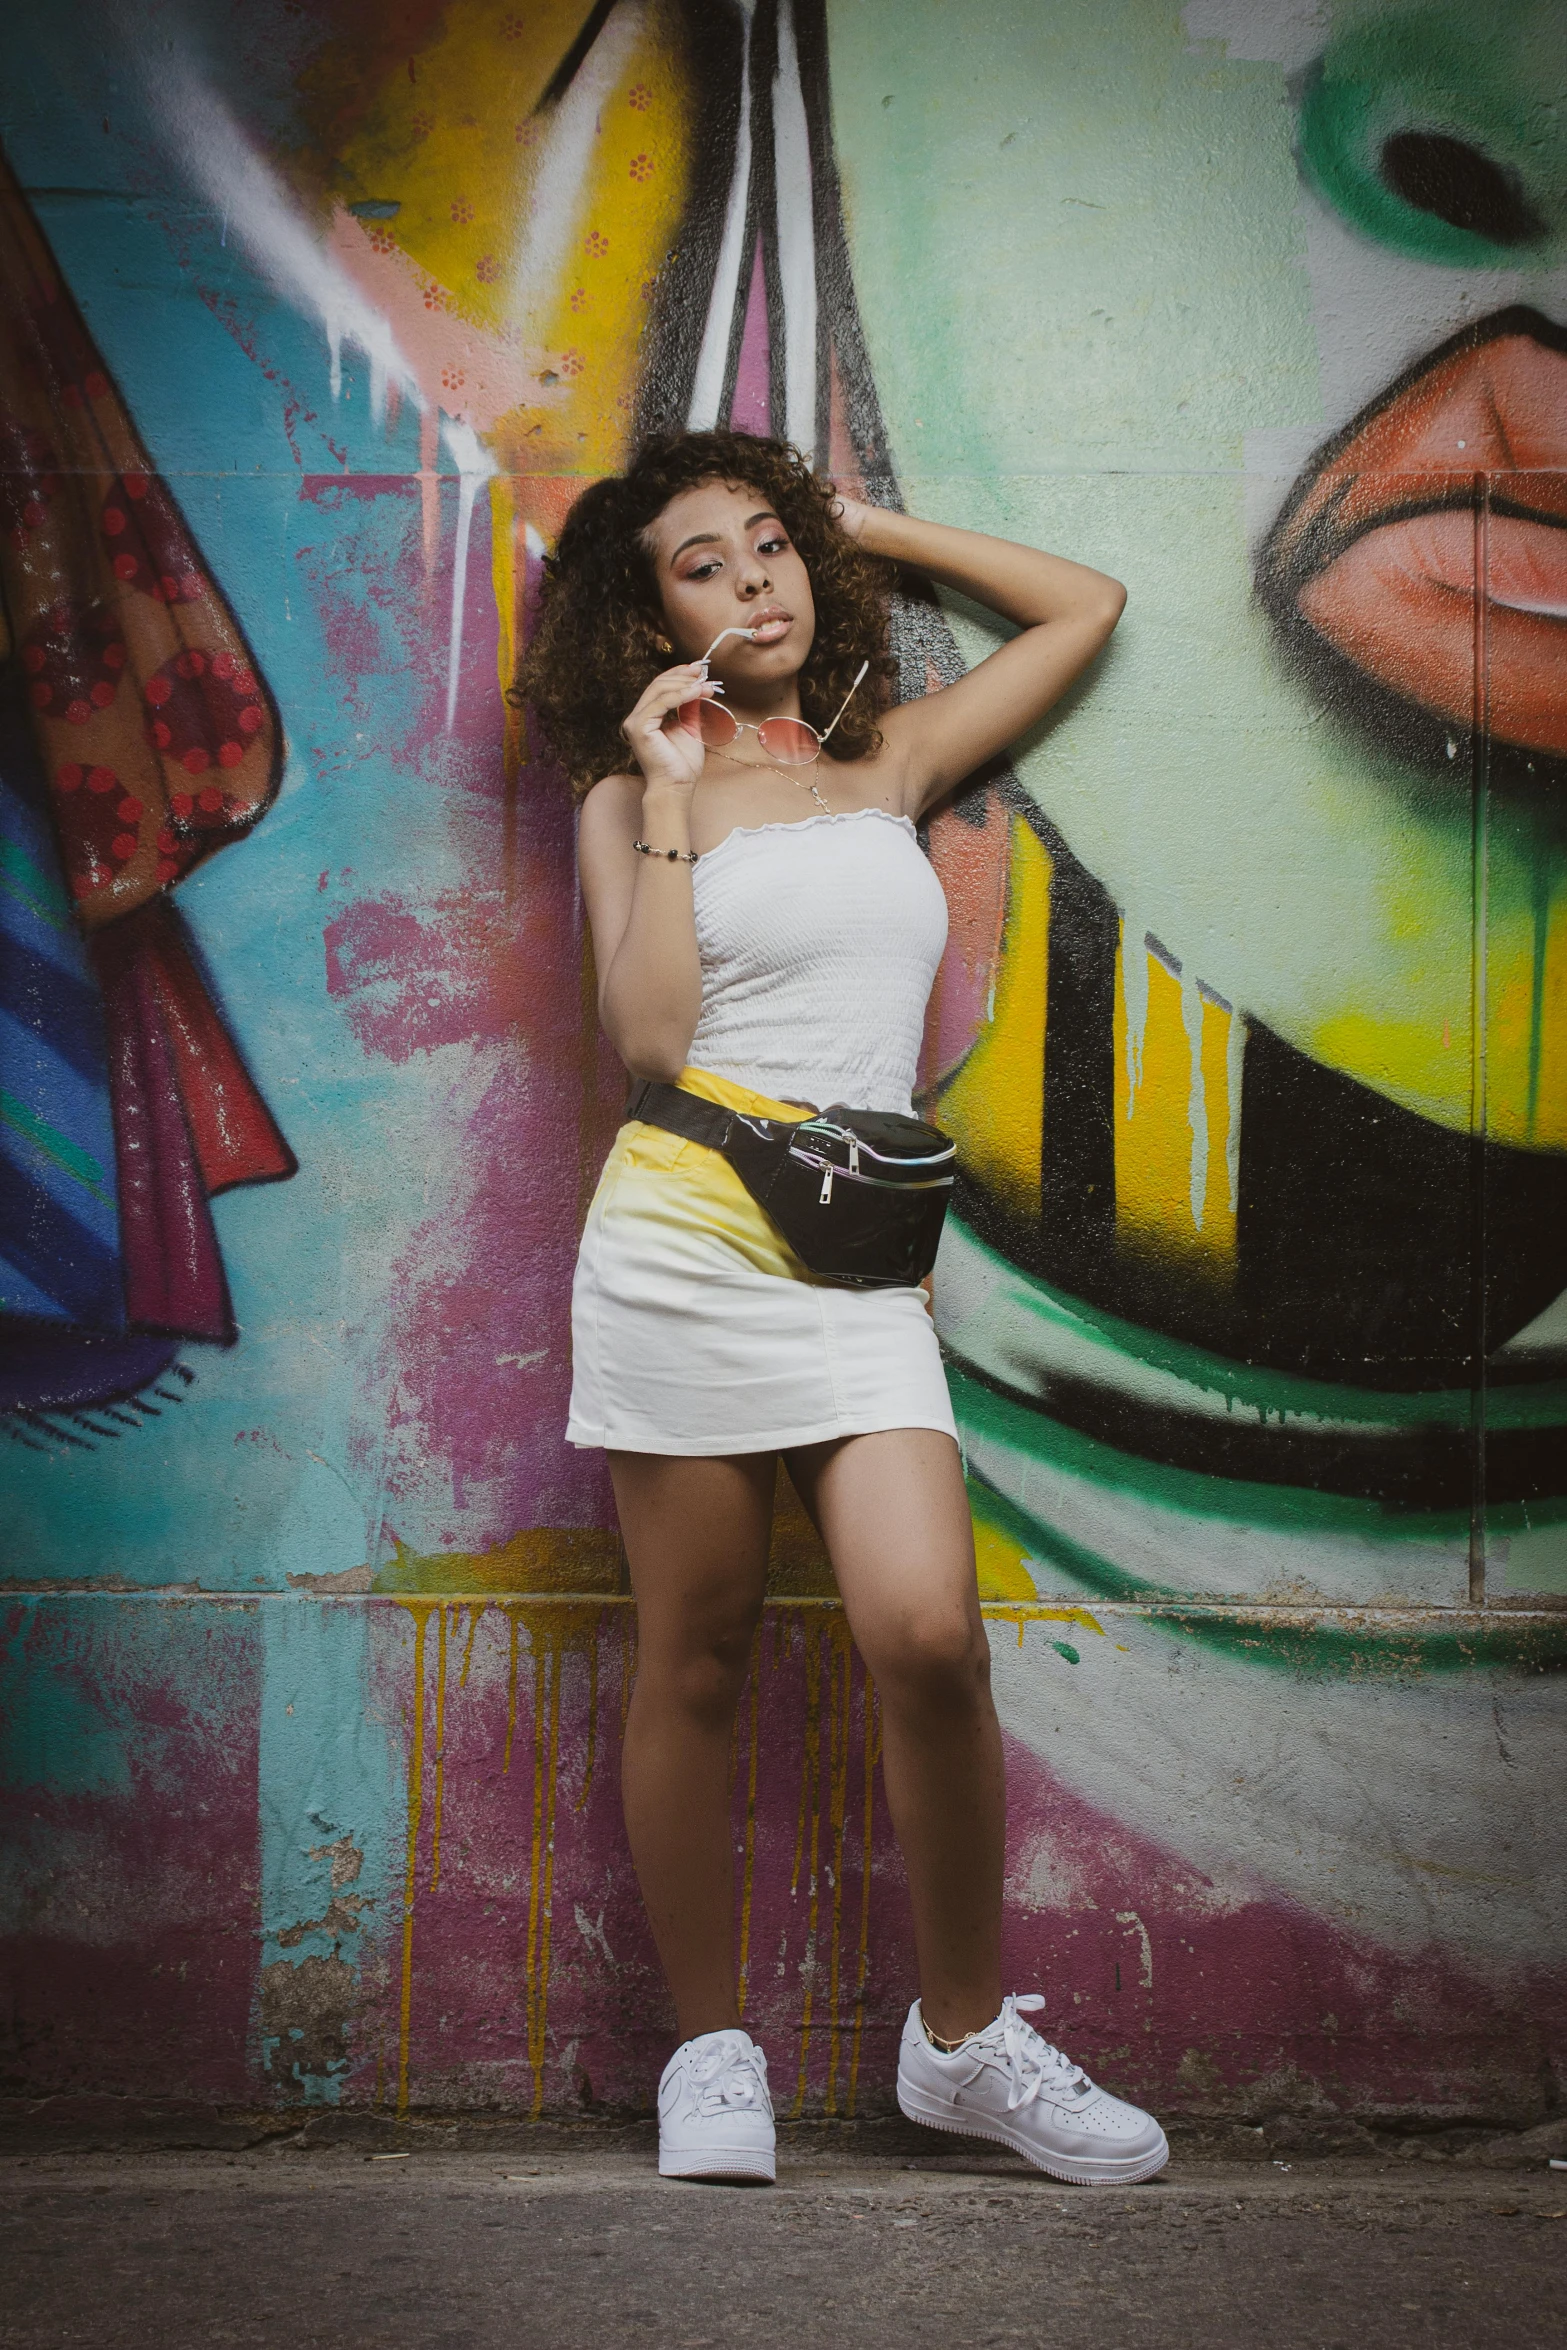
713 723
789 740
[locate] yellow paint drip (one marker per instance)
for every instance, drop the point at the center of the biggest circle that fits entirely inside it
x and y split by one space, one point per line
474 1616
1173 1196
440 1747
995 1105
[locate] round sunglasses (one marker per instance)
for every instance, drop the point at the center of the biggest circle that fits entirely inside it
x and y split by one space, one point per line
789 741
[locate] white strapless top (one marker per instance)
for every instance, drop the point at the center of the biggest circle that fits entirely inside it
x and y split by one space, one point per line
819 944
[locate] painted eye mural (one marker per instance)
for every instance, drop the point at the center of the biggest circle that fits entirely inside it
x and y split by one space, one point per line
1252 1028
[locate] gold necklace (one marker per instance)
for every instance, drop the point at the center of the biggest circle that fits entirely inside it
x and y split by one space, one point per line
777 769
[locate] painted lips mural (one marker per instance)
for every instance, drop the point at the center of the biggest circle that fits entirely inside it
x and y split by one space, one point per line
1253 1027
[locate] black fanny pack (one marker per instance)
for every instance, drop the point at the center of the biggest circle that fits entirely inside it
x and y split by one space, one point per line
858 1194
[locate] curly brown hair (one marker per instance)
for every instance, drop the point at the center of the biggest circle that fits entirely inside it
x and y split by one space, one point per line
595 648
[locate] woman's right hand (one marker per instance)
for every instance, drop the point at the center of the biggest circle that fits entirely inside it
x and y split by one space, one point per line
669 750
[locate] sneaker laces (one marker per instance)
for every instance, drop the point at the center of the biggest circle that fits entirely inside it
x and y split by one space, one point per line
1036 2064
729 2077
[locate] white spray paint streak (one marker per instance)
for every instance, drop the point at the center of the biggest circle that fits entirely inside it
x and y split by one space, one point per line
1134 995
707 385
1234 1071
796 239
1129 1917
555 209
239 184
474 465
1197 1098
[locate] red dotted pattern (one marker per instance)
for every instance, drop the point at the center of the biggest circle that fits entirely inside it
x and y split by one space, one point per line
639 97
146 541
571 363
642 167
596 243
73 663
203 712
462 211
486 269
100 821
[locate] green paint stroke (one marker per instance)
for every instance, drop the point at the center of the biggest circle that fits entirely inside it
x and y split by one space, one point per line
27 881
1308 1643
1023 1325
55 1146
1292 1509
1488 82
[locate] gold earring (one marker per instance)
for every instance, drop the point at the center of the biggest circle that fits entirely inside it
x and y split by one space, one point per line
661 644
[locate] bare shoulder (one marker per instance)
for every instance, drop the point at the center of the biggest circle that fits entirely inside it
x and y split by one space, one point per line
610 816
612 808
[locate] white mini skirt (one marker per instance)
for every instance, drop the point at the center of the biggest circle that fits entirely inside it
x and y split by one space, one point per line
695 1329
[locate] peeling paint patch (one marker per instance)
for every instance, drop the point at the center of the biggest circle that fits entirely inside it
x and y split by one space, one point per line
307 2008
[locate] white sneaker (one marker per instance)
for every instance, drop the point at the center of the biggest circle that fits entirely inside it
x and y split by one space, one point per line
1008 2084
715 2118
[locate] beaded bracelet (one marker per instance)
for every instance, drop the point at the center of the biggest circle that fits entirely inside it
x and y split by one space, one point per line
675 856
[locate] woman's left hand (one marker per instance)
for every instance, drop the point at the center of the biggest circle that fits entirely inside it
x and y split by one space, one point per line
850 514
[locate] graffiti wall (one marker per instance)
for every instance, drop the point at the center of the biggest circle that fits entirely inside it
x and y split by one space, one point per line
1252 1029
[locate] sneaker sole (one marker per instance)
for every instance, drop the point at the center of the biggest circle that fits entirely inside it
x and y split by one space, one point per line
1087 2173
720 2162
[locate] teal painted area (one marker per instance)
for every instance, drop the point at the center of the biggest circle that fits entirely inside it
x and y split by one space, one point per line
57 1730
55 1146
330 1795
1075 238
24 879
264 1469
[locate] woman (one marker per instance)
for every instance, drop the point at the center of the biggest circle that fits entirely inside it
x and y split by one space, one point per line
765 934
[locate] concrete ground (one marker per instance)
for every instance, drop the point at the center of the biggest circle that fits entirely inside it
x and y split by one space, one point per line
576 2244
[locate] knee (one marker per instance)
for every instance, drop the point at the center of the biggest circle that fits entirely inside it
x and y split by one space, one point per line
939 1661
702 1673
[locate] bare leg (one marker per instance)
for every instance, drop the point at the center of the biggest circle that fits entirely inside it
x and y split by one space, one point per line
696 1534
894 1516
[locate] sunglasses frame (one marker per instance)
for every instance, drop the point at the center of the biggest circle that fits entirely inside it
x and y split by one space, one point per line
745 726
